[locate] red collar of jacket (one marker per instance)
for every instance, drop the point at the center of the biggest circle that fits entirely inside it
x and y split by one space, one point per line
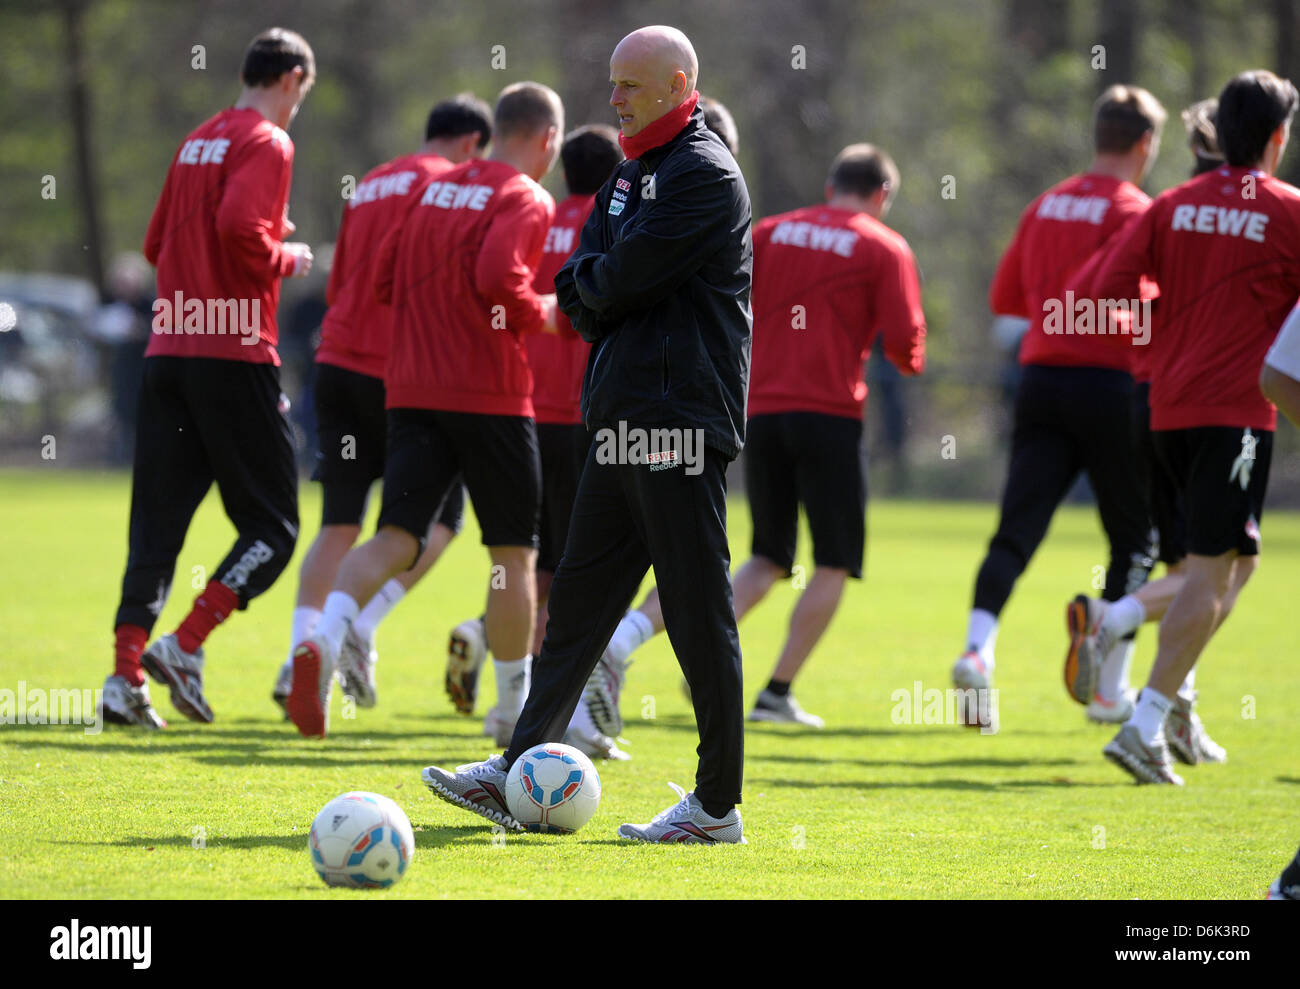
659 131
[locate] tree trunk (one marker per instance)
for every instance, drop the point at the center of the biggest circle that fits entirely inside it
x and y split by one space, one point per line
1119 26
79 100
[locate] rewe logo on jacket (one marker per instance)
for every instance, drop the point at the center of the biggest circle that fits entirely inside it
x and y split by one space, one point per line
452 195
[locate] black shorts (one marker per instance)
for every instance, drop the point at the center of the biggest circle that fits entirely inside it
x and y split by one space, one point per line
1158 487
1222 473
353 433
813 459
563 452
430 451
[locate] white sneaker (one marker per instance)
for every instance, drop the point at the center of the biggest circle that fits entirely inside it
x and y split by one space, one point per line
1105 712
774 707
313 679
122 704
603 690
168 663
283 687
1188 740
973 672
499 727
1145 763
479 787
466 651
583 735
685 822
356 670
595 746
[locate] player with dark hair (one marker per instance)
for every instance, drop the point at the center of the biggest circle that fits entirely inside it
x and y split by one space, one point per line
1105 636
210 404
828 280
588 155
349 392
1074 405
718 119
659 285
1224 248
459 272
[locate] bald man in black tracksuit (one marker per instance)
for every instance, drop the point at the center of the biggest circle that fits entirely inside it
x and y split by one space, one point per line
659 285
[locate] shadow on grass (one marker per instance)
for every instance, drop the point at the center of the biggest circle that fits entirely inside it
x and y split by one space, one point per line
754 782
207 740
264 759
678 722
430 837
1287 779
972 761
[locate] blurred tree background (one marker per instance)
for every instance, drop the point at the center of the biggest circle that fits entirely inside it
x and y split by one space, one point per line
982 103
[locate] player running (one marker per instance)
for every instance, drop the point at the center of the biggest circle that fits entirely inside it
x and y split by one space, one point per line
1073 408
1225 250
349 392
1101 634
459 272
211 408
587 156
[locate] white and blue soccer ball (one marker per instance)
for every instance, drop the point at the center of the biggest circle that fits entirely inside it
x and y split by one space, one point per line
552 788
362 840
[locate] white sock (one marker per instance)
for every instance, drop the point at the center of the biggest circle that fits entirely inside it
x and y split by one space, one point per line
1124 617
581 721
340 612
982 633
514 676
1113 680
1188 690
377 609
633 631
1149 716
305 621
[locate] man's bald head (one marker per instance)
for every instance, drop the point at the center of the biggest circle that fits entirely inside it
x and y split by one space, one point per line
653 70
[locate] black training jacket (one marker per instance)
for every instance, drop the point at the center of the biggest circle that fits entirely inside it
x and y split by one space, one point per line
659 285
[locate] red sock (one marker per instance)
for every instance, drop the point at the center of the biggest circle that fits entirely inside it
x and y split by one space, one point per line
131 640
211 608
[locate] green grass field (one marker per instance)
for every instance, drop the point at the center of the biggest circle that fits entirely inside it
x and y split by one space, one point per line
865 808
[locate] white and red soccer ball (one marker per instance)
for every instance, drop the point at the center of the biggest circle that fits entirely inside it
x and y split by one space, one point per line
552 788
361 840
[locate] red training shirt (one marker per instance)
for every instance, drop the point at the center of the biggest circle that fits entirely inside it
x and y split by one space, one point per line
1057 234
216 236
358 329
1225 249
558 361
827 280
459 273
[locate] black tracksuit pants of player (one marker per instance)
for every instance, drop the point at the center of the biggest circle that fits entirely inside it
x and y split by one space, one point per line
202 420
627 517
1069 419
